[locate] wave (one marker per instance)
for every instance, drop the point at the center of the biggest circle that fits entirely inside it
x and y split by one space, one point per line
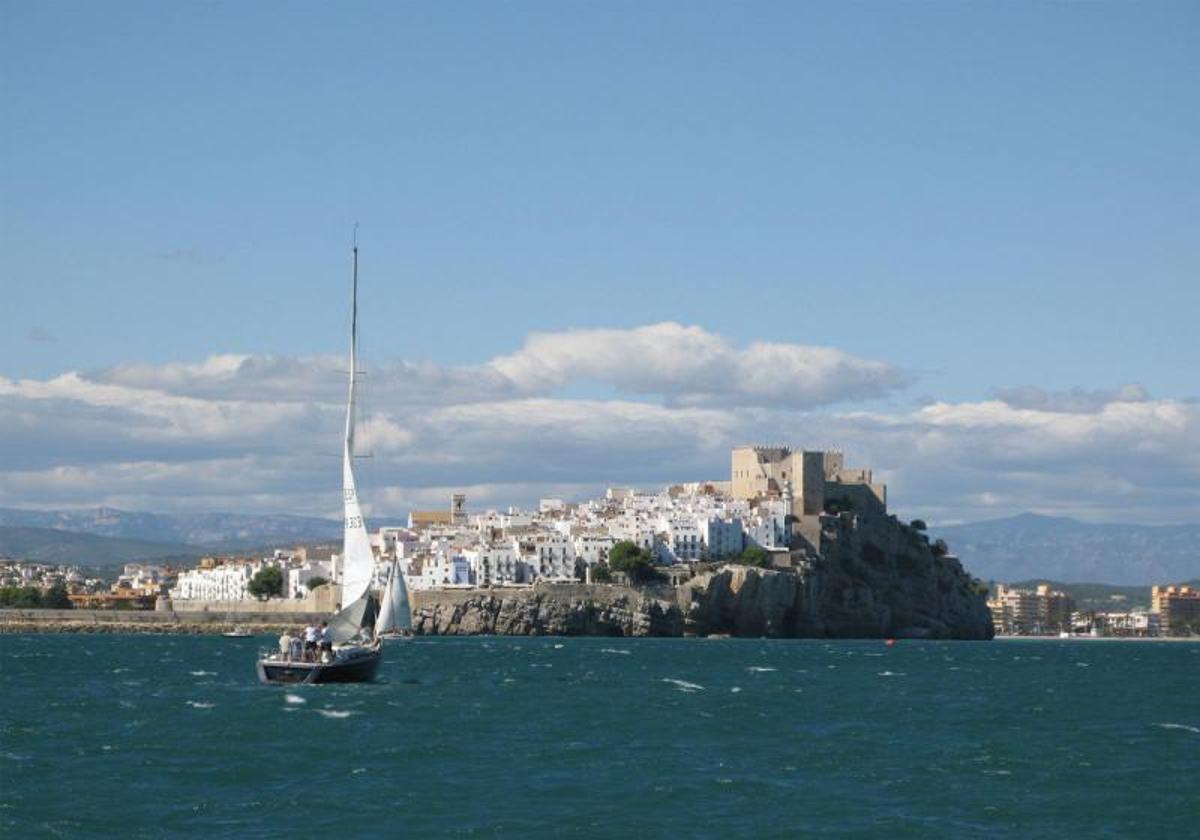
294 699
1183 726
758 669
614 650
334 713
684 685
203 673
196 704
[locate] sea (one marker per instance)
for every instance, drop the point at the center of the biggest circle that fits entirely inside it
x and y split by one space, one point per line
172 736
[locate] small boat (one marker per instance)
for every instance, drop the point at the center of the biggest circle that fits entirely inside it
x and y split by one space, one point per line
395 614
356 653
238 632
348 663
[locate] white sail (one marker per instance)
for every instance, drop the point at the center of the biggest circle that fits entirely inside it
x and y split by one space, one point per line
394 611
358 562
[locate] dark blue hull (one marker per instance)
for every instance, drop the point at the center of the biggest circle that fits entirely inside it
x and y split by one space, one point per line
357 667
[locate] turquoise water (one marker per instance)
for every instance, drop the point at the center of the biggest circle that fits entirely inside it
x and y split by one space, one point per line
146 736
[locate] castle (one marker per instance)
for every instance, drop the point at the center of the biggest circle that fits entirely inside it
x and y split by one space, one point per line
810 482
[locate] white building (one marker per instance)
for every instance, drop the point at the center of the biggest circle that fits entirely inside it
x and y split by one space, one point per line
678 540
494 565
592 548
546 554
222 583
441 570
298 578
721 537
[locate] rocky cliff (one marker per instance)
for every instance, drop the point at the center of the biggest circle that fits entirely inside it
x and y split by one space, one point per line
555 610
874 578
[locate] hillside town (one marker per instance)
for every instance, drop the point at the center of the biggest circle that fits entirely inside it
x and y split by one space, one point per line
769 512
772 505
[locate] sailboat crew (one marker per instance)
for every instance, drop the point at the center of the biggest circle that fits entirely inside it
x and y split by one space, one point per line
285 644
325 639
310 642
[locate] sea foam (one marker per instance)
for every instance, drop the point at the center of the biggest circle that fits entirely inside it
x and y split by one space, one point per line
1183 726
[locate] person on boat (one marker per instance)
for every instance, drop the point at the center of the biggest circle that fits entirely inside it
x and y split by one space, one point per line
285 645
310 642
297 650
325 640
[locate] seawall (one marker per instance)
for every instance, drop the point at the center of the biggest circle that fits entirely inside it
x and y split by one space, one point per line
138 621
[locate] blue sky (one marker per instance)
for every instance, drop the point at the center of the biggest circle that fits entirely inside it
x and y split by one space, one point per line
985 197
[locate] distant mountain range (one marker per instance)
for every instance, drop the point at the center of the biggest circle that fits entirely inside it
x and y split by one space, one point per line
1030 547
71 548
232 530
108 537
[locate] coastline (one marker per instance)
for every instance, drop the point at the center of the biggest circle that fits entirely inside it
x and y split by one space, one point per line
54 622
1193 639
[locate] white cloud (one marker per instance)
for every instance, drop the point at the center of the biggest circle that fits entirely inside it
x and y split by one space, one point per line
240 432
1124 460
695 366
674 362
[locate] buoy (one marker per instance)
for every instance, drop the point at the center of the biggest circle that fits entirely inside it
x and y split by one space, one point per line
889 642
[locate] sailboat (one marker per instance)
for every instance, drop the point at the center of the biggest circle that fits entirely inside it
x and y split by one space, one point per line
395 614
356 652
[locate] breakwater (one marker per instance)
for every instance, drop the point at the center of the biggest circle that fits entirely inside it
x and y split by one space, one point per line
136 621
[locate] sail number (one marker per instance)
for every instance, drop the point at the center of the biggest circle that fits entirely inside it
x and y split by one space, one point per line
349 495
354 522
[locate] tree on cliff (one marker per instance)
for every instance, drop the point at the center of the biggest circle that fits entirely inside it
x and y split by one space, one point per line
635 562
756 556
266 583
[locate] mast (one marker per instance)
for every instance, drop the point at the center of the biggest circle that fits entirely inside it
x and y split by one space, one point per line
358 561
353 355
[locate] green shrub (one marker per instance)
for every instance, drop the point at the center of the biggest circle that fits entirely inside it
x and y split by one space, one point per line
756 556
635 562
266 583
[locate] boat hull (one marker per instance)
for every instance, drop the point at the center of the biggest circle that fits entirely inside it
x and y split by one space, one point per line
357 668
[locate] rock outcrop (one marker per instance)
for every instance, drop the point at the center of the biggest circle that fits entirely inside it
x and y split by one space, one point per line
874 578
560 610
